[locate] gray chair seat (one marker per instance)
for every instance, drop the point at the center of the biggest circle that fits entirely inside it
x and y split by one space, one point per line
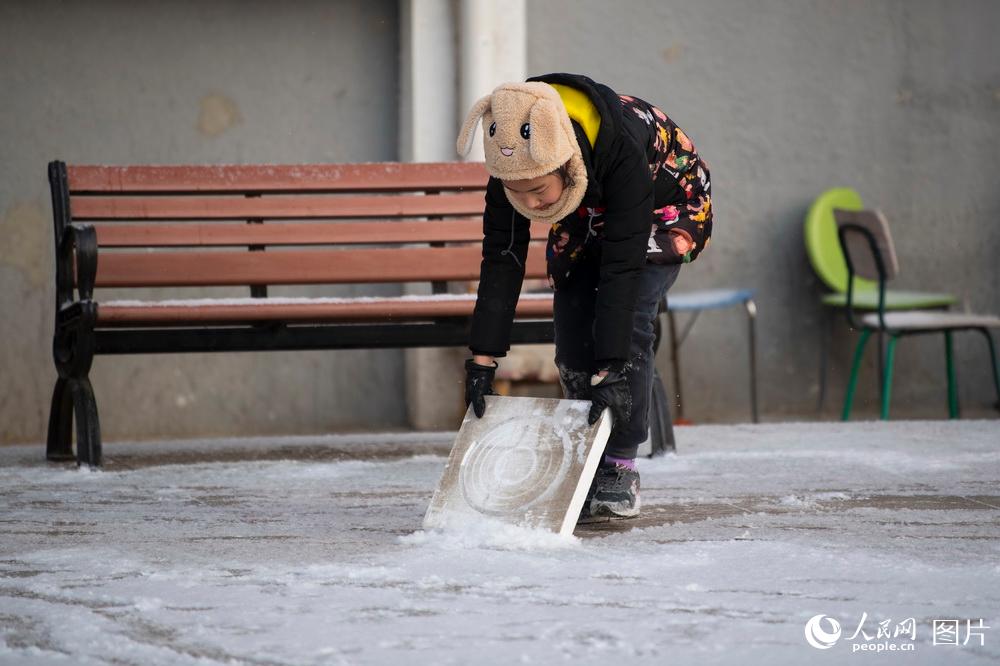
936 321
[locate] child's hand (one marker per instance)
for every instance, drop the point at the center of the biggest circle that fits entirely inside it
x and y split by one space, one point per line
478 384
682 242
610 389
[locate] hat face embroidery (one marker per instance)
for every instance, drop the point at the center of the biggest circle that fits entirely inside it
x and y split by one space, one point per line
527 131
527 134
507 143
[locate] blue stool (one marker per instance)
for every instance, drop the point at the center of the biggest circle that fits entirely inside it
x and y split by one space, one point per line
709 299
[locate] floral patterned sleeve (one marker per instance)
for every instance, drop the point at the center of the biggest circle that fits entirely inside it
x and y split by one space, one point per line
673 155
694 216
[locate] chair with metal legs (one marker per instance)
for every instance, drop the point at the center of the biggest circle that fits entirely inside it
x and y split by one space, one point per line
869 252
695 302
827 260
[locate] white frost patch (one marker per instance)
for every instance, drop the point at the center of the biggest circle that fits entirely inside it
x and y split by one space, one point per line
746 533
464 532
148 605
812 500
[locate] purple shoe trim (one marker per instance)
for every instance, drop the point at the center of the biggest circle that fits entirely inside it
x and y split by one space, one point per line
624 462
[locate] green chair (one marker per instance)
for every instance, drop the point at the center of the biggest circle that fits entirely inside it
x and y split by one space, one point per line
827 261
868 250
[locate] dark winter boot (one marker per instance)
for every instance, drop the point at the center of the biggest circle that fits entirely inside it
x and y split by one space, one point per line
614 494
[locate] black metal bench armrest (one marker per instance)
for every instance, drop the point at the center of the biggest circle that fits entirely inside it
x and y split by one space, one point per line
79 240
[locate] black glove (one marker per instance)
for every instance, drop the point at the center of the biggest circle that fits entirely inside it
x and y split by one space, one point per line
612 391
478 383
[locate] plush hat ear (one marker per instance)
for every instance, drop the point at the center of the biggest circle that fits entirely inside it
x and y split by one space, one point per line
465 135
548 142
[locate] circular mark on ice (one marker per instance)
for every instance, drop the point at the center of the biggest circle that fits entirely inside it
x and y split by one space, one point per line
513 466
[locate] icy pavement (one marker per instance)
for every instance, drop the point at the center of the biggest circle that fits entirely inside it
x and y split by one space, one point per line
290 552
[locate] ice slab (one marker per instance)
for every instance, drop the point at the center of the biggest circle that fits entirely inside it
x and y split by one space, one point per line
528 462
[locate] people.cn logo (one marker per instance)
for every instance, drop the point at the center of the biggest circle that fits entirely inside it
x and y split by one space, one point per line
820 638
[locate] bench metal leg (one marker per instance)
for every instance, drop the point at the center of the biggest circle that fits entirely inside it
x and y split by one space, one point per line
751 307
661 428
994 368
60 436
675 363
661 431
677 338
949 363
73 399
88 427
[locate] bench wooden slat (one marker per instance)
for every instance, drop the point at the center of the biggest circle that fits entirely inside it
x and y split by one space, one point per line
373 310
384 176
181 226
200 268
273 207
188 234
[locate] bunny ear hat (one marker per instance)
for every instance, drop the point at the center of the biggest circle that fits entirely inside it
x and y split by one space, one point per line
526 134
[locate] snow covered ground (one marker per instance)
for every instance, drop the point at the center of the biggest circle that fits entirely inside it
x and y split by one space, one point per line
308 551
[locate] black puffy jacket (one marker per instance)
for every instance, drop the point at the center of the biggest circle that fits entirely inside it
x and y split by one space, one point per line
644 178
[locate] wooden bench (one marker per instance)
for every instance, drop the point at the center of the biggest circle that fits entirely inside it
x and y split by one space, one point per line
256 226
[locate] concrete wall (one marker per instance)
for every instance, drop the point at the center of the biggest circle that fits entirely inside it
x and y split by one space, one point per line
785 98
899 99
186 82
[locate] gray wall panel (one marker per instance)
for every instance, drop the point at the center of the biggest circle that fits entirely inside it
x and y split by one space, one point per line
186 82
900 100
